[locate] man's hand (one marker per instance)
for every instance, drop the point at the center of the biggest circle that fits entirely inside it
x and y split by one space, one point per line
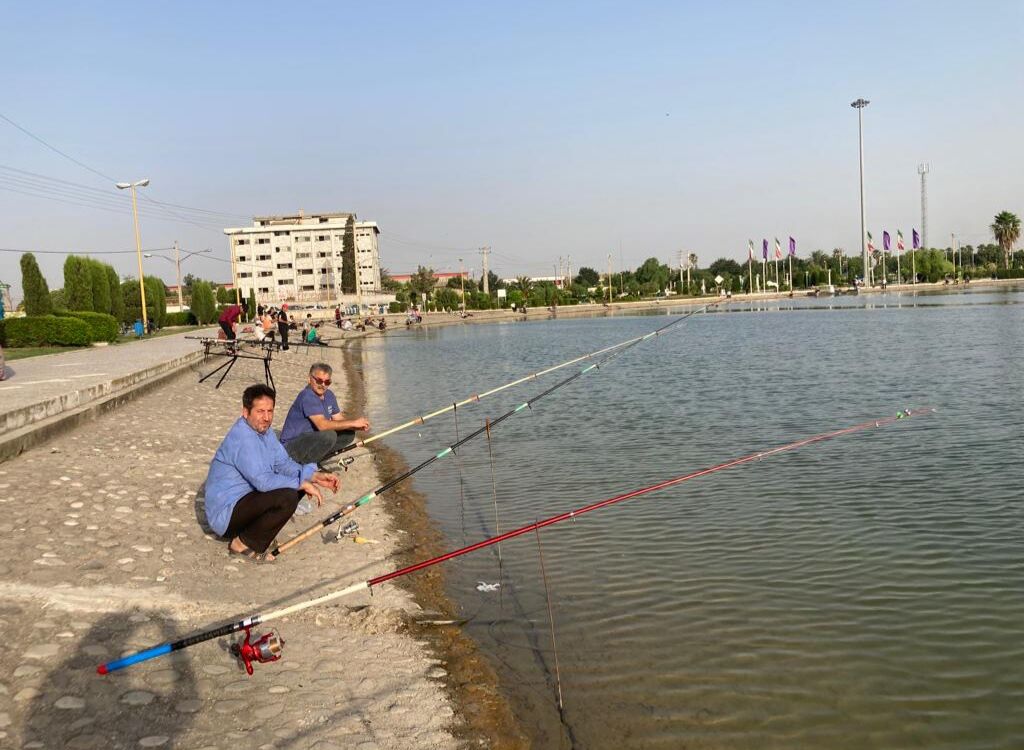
313 492
359 423
326 479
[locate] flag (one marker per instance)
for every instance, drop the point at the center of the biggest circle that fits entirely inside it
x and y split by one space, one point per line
778 249
871 244
764 249
916 238
885 241
899 241
792 246
750 249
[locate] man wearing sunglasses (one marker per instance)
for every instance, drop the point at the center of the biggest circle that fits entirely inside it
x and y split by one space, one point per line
315 427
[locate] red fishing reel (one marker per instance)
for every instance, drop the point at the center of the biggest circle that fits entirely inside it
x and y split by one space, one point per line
267 649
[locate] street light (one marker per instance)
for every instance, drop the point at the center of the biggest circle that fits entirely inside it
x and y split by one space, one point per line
138 244
177 262
859 105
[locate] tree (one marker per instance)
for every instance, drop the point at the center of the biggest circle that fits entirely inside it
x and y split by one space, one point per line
494 281
203 306
348 258
252 301
1006 230
725 267
422 282
57 300
77 284
653 272
523 284
587 277
114 290
100 287
387 283
225 296
37 293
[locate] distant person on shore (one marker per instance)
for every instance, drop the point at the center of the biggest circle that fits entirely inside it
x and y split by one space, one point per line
313 336
282 326
230 317
253 487
316 427
337 316
139 330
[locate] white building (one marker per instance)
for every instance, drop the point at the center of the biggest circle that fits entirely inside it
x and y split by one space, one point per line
299 257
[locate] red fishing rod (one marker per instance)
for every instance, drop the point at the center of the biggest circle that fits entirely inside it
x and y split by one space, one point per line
273 650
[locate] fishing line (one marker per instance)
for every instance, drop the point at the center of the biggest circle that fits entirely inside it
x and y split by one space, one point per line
368 585
476 397
353 506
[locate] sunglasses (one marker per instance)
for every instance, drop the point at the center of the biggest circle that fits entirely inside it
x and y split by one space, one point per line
320 381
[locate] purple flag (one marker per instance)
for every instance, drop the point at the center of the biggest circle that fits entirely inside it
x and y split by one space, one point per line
792 246
885 241
916 238
764 249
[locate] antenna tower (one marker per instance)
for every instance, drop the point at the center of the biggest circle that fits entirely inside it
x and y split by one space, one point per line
922 169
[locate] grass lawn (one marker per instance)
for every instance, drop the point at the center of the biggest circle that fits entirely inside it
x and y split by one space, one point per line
36 351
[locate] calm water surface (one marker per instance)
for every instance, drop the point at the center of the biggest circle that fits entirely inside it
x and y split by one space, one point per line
866 592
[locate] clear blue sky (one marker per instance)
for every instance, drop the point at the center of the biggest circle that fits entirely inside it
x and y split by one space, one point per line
539 129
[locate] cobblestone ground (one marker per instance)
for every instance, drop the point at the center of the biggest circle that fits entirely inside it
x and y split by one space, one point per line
102 552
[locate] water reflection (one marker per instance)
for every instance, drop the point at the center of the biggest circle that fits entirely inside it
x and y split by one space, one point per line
861 593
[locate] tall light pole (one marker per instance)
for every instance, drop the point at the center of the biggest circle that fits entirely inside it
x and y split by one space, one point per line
859 105
462 283
177 263
138 244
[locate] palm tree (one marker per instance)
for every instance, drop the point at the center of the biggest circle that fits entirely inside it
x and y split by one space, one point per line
691 263
1006 230
523 284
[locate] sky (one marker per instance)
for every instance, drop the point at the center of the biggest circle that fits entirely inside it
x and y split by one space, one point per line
538 129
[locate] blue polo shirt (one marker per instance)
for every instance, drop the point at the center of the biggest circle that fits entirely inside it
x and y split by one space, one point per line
307 404
247 461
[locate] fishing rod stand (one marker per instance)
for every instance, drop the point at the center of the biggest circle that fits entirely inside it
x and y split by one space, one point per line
267 649
230 349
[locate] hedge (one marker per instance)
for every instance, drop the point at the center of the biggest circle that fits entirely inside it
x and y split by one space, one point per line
46 330
102 327
183 318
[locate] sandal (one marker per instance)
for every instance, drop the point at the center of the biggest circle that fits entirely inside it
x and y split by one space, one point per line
248 554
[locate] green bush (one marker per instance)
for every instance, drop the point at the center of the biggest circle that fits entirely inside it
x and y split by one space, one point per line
3 337
102 327
397 307
184 318
46 330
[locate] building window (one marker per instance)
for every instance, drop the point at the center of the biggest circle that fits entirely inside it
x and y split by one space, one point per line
262 257
282 266
305 272
241 241
308 288
264 274
323 237
302 238
282 282
241 259
244 275
263 241
264 290
302 255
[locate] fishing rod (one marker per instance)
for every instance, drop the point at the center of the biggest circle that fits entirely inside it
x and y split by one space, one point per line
450 450
476 398
272 647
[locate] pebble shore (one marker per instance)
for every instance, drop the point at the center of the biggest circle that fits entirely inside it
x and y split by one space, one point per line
104 551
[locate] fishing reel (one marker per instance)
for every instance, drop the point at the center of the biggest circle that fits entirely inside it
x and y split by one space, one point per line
267 649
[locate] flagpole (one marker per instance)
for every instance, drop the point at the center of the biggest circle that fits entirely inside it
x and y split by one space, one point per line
791 275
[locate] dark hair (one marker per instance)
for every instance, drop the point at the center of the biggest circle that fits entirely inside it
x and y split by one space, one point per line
321 367
255 391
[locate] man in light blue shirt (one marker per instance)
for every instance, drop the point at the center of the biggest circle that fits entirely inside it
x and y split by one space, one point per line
253 486
315 427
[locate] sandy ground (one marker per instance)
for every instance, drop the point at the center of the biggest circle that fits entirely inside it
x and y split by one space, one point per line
102 552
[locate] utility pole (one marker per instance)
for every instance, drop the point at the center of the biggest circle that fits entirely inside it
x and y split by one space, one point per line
922 169
568 271
484 252
462 283
681 271
608 279
952 251
177 264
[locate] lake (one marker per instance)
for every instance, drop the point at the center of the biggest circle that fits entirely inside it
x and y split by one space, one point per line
864 592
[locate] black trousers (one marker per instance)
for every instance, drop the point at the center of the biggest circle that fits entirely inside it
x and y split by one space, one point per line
282 328
228 331
258 517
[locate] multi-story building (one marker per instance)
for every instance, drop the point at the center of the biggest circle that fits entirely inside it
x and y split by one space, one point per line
299 257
